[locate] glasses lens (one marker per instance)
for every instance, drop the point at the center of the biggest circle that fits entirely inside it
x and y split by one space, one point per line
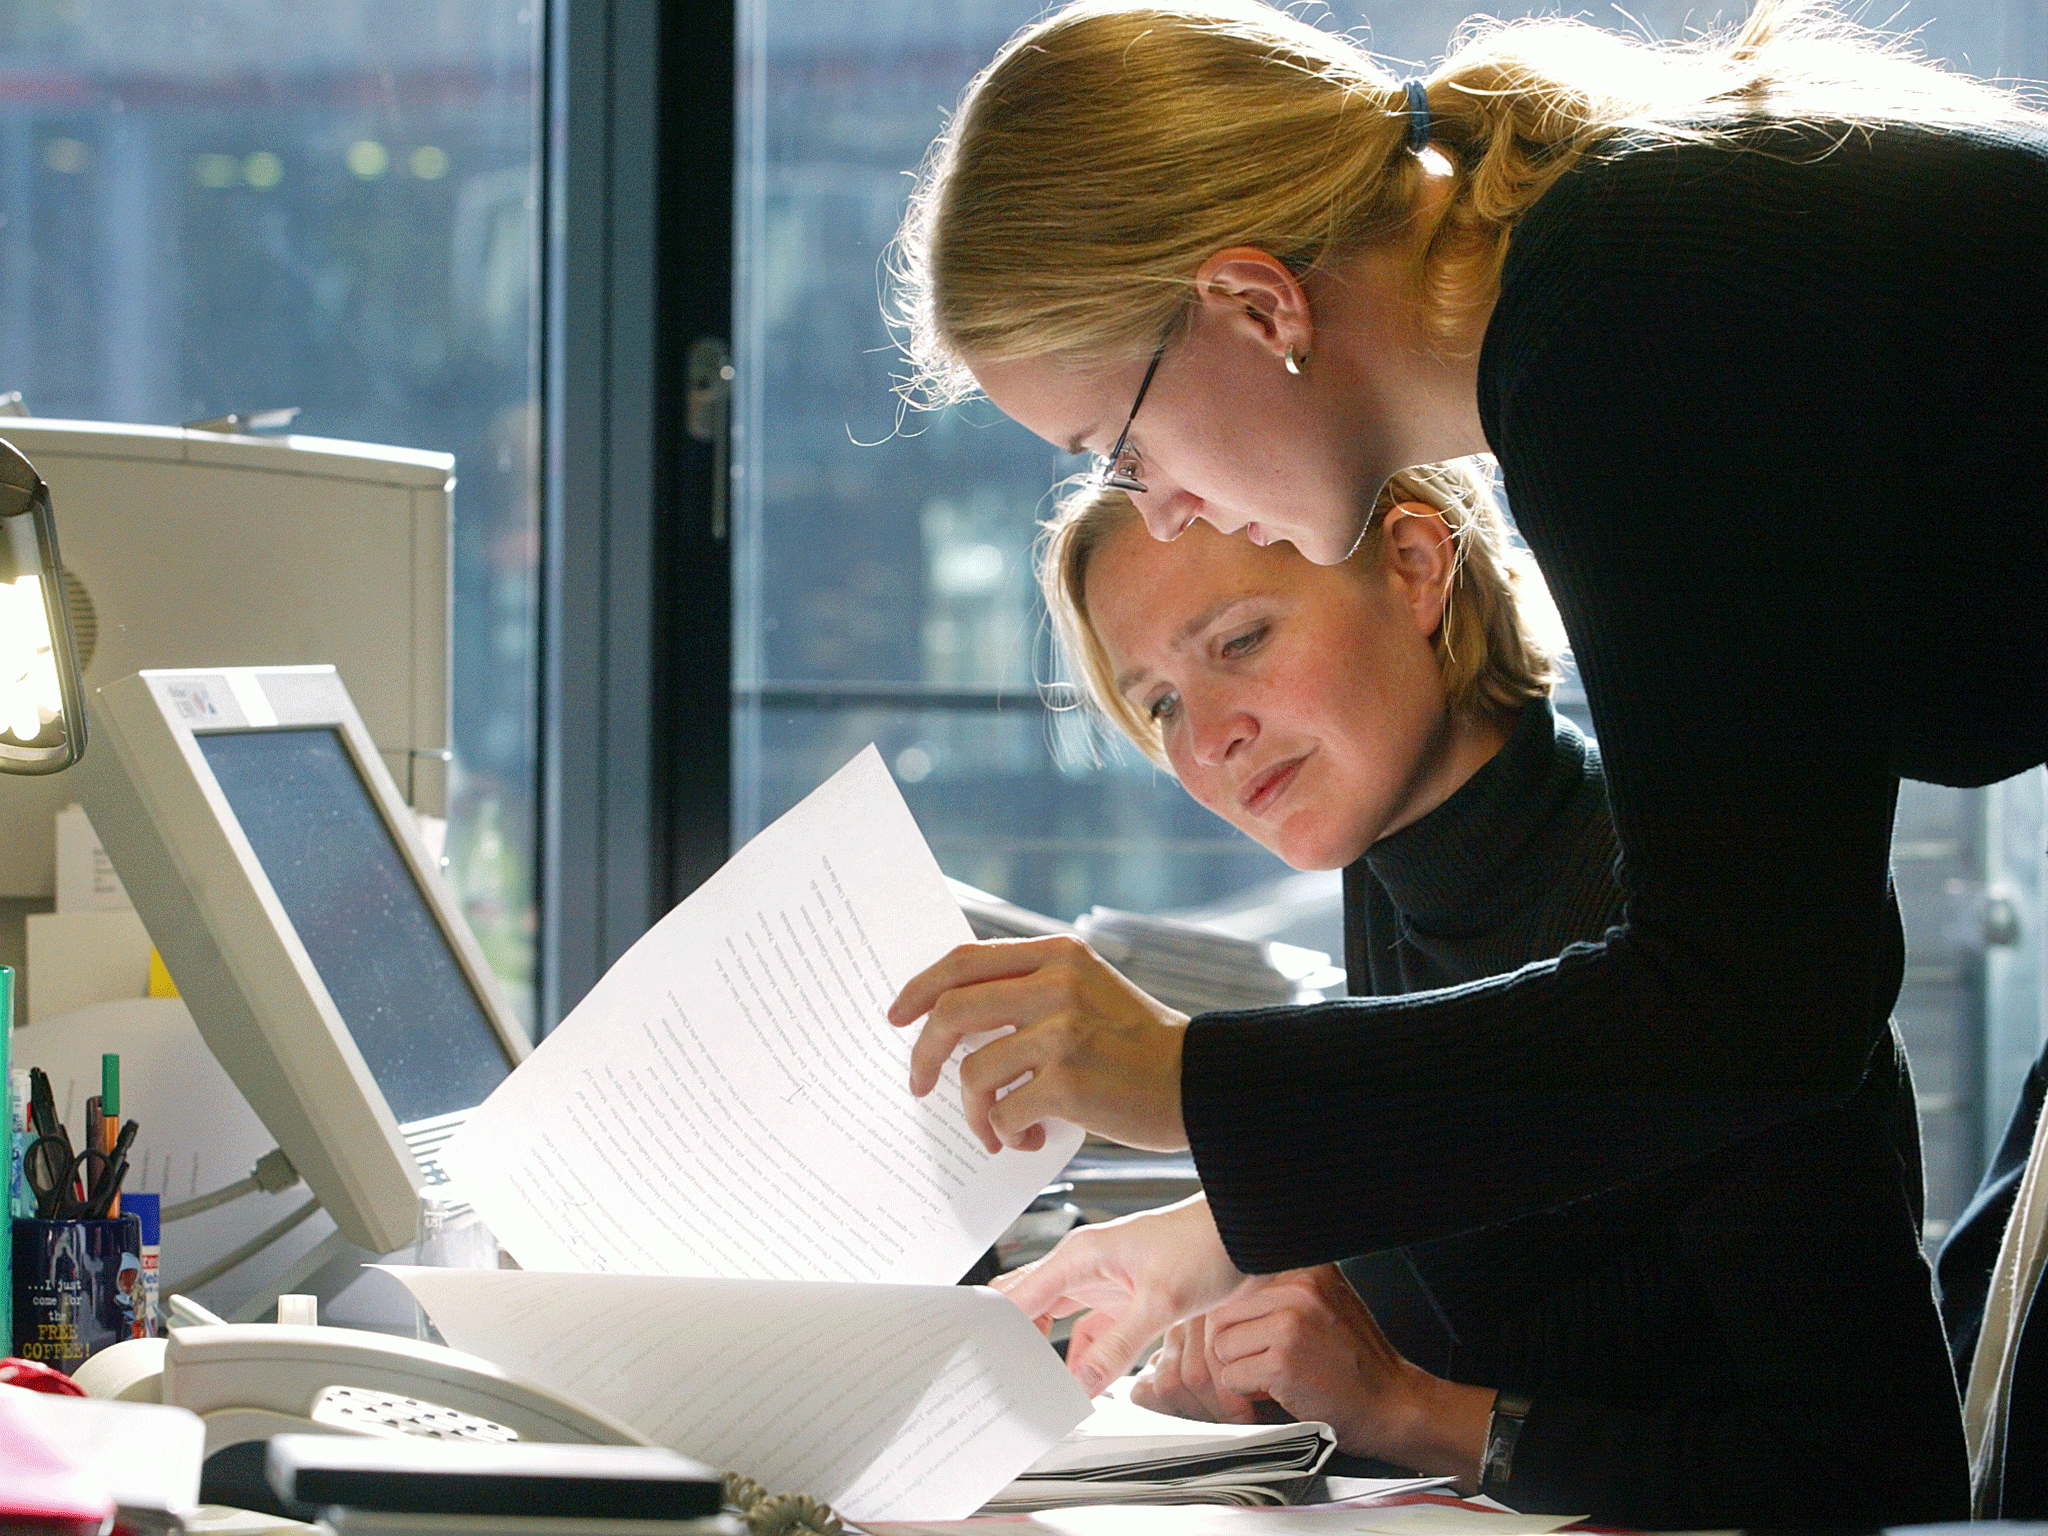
1119 474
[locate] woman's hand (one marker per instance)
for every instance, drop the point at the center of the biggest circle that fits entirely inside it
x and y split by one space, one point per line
1084 1045
1140 1274
1180 1379
1305 1341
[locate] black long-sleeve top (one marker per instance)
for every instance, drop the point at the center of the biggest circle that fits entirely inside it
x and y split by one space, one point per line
1750 1340
1772 421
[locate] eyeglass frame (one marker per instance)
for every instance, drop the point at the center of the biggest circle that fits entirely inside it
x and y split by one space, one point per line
1104 476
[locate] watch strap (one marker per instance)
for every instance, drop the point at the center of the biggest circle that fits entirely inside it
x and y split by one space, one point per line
1503 1430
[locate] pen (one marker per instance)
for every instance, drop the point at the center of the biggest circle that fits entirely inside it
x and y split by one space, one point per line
106 1194
42 1104
95 1125
110 1127
110 1099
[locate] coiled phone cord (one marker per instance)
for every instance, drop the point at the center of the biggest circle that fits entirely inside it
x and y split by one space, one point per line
778 1514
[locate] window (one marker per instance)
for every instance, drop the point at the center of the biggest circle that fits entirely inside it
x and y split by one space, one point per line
236 205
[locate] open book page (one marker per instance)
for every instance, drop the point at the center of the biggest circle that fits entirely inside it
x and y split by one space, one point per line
887 1401
730 1098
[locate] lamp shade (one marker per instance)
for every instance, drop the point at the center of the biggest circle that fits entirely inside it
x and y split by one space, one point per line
42 709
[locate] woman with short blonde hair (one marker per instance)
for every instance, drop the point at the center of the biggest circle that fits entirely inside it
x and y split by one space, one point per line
1685 1348
1500 643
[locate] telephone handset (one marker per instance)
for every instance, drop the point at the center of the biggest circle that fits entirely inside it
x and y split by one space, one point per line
249 1381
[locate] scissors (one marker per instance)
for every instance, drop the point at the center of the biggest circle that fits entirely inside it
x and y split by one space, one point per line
64 1181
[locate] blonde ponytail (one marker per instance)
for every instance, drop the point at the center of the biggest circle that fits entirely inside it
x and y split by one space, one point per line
1111 148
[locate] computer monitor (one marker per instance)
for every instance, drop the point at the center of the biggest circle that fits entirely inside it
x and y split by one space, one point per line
283 880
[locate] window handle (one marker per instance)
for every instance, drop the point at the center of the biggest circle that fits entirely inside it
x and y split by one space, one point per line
707 399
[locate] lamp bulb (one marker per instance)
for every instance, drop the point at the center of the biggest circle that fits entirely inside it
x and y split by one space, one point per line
30 693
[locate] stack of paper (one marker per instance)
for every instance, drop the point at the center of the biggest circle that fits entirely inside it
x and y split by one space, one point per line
1122 1453
1197 969
991 917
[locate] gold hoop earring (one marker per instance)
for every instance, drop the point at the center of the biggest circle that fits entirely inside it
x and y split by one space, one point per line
1292 363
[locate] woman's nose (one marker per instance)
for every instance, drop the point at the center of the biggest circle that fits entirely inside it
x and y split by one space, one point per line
1166 512
1218 730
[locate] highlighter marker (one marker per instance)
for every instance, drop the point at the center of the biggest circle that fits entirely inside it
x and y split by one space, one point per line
110 1099
110 1112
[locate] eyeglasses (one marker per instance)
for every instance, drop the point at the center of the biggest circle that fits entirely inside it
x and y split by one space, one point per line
1118 469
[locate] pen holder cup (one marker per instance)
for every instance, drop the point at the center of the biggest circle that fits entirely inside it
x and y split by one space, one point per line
77 1288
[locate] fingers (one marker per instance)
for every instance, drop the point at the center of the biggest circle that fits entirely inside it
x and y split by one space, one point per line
968 965
1010 1062
1040 1288
1165 1385
1088 1327
1110 1352
997 986
1182 1380
1057 1034
960 1014
1079 1273
1153 1268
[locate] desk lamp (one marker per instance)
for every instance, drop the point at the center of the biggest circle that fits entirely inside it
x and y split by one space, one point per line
42 710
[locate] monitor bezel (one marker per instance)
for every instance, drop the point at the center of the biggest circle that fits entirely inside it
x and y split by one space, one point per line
210 908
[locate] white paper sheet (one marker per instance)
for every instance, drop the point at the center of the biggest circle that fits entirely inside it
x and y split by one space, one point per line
1265 1520
1119 1434
887 1401
730 1099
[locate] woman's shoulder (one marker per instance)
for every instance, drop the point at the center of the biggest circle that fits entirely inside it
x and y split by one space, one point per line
1643 194
1631 280
1700 158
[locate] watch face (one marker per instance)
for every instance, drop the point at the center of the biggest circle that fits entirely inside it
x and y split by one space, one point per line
1503 1427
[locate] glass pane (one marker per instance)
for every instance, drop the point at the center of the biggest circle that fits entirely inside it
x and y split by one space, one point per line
883 588
233 205
899 562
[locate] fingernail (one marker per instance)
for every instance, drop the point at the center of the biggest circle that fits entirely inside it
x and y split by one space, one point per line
1091 1380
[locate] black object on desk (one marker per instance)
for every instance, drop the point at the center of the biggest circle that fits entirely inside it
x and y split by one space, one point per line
416 1475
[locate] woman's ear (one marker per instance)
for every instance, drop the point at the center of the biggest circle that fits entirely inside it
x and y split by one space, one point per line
1420 554
1249 287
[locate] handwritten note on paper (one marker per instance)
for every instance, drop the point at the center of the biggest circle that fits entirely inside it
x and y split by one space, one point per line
887 1401
730 1099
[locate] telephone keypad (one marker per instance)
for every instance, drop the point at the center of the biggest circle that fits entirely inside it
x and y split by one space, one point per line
382 1413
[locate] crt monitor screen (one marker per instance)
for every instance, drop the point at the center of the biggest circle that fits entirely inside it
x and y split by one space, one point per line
370 933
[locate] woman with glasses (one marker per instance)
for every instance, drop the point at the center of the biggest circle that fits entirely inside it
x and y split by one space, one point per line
1738 320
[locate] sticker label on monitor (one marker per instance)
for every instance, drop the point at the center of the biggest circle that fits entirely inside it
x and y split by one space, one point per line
193 701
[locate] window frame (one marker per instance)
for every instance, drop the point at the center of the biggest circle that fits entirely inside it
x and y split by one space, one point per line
637 262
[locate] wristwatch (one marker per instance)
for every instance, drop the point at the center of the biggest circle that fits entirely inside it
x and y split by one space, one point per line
1503 1429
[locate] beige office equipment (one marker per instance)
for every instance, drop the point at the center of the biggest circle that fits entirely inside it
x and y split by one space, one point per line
203 548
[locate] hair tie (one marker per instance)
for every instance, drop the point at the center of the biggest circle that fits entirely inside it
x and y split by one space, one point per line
1418 115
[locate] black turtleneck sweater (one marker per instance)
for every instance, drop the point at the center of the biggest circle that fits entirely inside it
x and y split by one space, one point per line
1512 868
1772 420
1749 1340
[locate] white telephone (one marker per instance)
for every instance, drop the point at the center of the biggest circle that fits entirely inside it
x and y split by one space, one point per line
249 1381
